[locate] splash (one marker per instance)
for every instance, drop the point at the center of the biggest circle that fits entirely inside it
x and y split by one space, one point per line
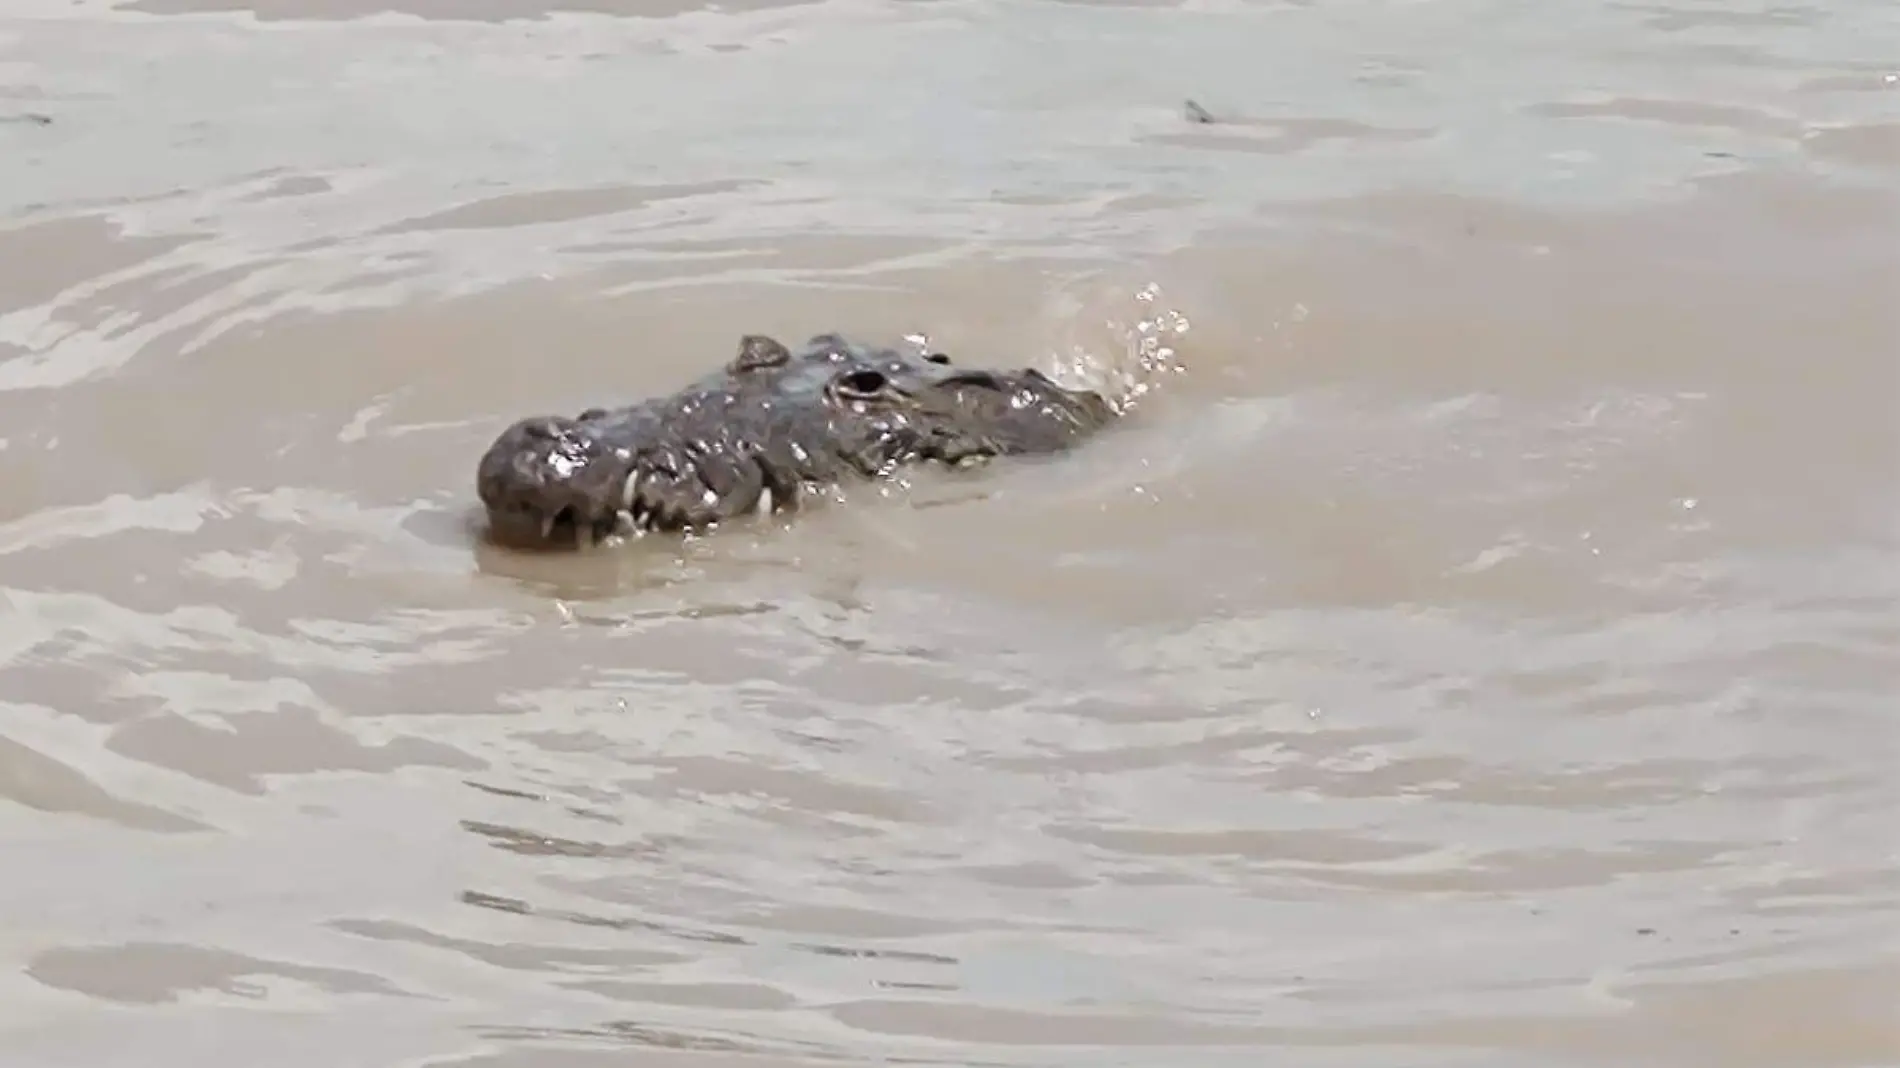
1122 354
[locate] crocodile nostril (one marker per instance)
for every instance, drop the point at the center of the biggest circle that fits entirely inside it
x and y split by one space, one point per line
549 429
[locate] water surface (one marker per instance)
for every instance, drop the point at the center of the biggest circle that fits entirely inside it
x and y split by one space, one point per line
1479 648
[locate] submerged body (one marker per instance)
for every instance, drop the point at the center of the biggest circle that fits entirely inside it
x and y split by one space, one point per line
762 434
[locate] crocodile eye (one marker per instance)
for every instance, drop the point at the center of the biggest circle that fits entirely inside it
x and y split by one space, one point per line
937 357
863 383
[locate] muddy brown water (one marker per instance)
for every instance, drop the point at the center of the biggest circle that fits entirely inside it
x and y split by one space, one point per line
1480 647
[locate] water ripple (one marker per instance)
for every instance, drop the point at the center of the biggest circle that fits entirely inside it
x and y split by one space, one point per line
1476 647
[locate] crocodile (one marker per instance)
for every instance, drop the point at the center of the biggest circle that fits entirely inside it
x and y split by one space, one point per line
766 432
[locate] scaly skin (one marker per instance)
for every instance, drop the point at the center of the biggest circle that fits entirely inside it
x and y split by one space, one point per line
761 435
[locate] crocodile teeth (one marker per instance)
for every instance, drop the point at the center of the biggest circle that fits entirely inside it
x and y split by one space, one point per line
765 501
630 491
547 527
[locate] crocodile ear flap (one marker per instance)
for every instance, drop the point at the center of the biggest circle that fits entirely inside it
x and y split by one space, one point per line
758 352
